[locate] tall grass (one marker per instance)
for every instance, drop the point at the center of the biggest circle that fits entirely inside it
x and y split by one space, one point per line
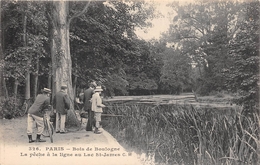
182 134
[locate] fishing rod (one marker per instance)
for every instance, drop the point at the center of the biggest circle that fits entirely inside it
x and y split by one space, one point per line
111 115
111 106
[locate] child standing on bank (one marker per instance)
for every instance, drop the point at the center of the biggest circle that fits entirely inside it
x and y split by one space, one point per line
97 108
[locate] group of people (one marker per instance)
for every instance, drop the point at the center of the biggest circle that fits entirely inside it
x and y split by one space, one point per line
61 104
93 105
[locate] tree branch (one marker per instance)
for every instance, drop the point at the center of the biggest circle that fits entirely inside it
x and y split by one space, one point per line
79 13
200 24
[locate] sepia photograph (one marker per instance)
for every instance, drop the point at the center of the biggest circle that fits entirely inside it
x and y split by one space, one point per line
129 82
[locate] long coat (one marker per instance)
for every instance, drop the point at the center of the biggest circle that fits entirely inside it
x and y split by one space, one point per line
61 102
87 97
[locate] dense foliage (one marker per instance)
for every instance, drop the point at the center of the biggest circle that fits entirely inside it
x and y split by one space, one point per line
210 46
18 51
243 74
220 41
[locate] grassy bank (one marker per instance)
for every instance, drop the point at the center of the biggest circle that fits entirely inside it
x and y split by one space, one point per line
181 134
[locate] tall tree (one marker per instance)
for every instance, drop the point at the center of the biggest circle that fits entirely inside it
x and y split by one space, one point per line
203 31
59 21
22 40
103 42
176 71
243 74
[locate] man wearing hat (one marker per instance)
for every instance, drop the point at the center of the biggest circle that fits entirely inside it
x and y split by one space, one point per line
36 113
87 104
97 107
61 103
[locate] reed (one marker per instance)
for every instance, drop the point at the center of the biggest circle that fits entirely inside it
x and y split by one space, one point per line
182 134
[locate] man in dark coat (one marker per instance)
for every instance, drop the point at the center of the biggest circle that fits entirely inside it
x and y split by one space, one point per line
61 103
36 113
87 104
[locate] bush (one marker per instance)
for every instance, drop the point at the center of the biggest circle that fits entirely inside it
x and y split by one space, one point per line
220 95
8 107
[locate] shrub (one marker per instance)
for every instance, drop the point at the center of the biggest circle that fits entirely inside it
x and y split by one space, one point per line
220 95
8 107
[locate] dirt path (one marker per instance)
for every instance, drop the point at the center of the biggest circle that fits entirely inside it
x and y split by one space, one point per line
80 147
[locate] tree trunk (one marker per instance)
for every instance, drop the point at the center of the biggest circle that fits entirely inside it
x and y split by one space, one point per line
6 95
60 49
3 88
27 79
60 52
15 93
1 68
36 77
49 77
75 86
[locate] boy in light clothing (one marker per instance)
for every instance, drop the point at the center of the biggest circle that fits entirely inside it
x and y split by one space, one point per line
97 107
